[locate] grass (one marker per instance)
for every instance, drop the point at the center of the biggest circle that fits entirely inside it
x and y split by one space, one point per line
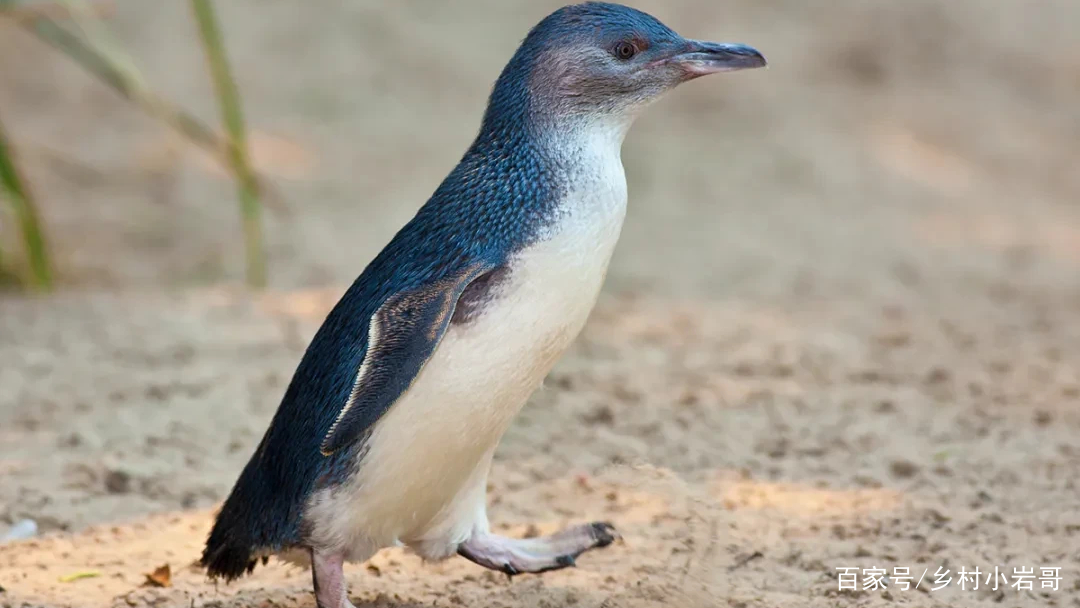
114 69
26 215
229 101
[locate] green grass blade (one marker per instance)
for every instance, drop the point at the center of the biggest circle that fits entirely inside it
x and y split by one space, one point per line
126 81
229 100
22 203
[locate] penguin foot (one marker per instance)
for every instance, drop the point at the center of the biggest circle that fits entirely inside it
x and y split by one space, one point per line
329 580
534 555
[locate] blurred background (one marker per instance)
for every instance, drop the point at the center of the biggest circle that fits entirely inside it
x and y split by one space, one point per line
877 124
843 314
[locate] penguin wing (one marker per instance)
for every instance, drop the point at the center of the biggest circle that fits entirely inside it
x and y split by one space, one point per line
402 335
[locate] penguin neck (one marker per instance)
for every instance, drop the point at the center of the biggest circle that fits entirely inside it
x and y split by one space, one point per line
525 112
529 171
581 141
568 149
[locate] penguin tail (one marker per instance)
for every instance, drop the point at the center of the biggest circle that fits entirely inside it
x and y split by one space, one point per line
230 552
247 529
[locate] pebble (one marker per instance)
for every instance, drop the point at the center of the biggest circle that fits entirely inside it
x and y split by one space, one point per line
21 530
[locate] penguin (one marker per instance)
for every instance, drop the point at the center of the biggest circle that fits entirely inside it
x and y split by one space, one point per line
386 432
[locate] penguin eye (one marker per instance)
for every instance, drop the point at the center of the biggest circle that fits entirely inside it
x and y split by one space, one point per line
625 50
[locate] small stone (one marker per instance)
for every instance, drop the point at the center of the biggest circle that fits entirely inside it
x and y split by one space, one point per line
118 482
21 530
71 441
903 469
602 415
937 375
938 518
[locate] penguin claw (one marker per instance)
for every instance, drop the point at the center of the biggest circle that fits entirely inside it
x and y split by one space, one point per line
604 533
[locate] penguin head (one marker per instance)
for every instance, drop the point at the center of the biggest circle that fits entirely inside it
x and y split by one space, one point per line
601 59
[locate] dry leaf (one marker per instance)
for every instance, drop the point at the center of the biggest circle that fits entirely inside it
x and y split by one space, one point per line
160 577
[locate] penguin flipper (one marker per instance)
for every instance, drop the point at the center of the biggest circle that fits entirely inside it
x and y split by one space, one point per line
402 335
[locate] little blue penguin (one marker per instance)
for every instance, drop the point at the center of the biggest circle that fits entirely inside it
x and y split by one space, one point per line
386 432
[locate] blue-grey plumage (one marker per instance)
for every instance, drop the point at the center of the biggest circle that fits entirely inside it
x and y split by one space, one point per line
386 432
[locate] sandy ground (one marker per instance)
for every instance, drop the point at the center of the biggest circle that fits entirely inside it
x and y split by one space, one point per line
840 329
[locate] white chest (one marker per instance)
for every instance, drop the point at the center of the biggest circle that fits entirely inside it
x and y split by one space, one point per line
551 287
485 369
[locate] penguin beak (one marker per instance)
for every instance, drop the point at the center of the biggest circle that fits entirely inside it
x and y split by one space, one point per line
700 58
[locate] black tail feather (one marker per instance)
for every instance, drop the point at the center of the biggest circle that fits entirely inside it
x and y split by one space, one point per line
244 531
228 555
